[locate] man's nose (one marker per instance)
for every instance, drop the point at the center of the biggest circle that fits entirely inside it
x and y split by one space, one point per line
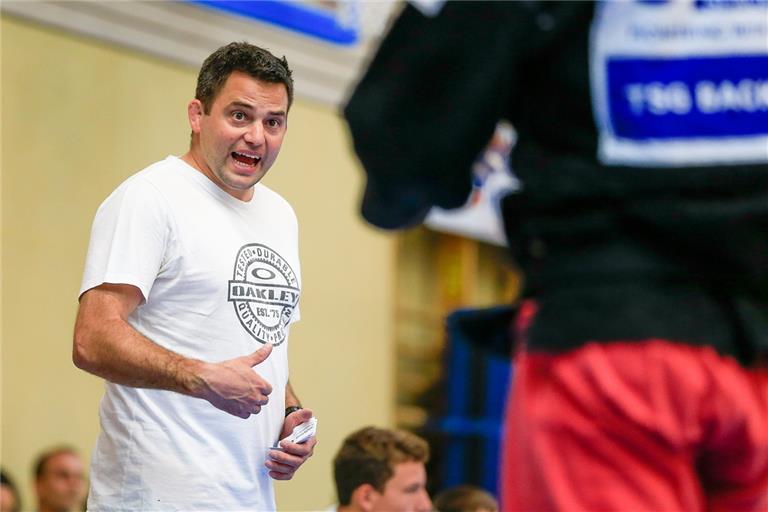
255 134
426 503
74 479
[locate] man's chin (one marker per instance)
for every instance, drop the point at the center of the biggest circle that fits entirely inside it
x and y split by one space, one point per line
245 179
243 185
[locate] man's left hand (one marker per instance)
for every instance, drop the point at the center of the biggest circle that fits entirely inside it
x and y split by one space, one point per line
283 464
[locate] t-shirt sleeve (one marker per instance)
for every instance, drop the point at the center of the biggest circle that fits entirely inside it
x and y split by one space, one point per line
129 238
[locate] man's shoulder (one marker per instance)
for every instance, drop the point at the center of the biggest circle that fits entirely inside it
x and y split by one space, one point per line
265 194
147 186
160 176
170 168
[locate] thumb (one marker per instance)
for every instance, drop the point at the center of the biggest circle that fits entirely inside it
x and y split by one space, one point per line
302 415
296 418
260 355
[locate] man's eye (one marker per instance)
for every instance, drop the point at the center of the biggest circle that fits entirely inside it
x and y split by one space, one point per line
238 116
273 123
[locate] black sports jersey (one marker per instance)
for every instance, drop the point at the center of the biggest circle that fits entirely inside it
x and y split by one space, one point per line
610 250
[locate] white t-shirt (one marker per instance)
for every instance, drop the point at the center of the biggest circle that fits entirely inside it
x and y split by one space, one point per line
220 278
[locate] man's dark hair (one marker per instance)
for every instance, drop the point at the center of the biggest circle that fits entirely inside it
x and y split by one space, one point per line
369 456
43 458
246 58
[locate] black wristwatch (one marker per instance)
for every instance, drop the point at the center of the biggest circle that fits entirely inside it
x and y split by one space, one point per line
293 408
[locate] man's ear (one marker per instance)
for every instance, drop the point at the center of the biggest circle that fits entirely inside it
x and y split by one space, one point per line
365 497
195 114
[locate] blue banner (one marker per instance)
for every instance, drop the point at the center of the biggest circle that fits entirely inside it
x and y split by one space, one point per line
684 98
292 15
727 4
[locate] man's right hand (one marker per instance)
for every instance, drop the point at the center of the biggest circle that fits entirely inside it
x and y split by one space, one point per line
234 387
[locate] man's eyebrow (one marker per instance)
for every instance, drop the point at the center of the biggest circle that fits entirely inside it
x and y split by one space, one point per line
241 104
249 106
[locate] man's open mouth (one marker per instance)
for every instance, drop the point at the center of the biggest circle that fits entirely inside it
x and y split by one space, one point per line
246 159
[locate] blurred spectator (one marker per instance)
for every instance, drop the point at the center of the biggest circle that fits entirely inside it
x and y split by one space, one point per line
465 498
9 494
640 223
382 470
59 480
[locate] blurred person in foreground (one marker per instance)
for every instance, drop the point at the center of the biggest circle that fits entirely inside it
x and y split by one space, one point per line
641 225
191 283
59 481
9 494
465 498
382 470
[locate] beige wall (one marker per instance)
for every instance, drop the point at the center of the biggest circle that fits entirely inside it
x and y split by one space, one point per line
78 117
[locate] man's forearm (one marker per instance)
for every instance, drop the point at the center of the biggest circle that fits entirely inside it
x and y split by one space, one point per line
106 345
120 354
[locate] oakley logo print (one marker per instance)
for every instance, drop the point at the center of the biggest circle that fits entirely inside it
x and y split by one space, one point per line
264 292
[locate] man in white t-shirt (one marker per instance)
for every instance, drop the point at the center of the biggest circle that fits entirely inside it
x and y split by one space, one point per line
191 282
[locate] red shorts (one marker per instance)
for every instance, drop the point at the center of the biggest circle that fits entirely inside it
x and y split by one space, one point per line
635 426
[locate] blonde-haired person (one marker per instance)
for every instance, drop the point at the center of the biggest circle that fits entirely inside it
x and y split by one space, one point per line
378 469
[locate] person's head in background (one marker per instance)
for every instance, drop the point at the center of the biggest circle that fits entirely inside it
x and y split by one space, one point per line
379 469
59 480
9 494
465 498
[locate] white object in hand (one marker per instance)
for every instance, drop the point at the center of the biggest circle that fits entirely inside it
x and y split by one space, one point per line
302 432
